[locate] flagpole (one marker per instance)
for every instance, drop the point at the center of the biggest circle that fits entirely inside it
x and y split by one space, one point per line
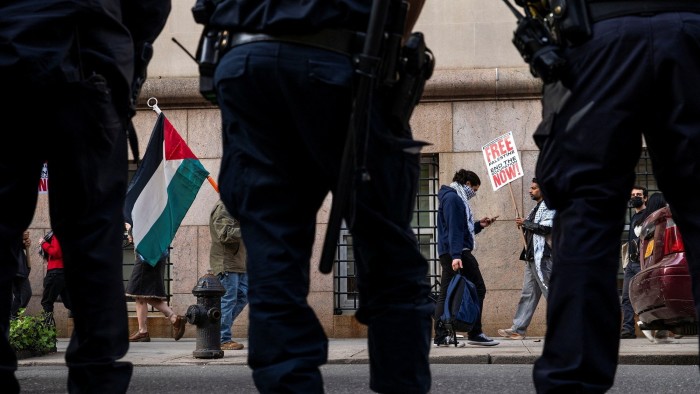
517 214
213 183
157 110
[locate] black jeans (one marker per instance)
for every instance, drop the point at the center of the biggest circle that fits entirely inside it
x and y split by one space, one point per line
54 286
21 294
81 135
470 269
630 271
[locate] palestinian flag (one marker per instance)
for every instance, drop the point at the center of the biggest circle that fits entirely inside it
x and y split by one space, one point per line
162 191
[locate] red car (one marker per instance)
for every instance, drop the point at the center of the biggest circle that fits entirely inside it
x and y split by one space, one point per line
661 292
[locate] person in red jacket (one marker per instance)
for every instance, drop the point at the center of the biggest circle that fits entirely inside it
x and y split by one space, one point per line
54 281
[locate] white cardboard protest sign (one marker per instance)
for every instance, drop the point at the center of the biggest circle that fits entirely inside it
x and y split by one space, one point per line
502 160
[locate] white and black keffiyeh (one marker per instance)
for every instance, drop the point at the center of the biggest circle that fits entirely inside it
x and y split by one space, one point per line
544 217
465 193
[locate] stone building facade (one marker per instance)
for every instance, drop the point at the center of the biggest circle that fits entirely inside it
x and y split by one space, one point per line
481 89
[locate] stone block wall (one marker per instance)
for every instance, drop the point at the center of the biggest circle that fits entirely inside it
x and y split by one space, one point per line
461 111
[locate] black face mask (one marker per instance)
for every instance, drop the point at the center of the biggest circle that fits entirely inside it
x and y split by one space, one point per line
636 202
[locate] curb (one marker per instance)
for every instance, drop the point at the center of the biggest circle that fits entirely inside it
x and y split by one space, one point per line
354 351
659 359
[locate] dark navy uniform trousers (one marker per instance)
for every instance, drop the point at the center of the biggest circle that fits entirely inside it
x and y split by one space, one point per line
637 75
74 126
285 111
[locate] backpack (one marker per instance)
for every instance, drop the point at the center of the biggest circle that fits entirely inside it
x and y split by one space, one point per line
461 306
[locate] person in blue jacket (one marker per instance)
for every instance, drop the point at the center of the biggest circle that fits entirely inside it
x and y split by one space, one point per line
456 230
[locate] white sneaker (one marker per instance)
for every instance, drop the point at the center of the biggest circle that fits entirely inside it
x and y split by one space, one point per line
661 336
510 334
647 333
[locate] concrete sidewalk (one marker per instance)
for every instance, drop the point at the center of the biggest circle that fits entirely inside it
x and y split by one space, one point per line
682 351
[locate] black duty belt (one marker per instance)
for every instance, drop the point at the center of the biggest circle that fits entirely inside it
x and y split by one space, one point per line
611 9
342 41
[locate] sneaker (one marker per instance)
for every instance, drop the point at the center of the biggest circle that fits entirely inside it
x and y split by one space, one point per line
661 336
649 334
482 340
447 342
140 337
510 334
627 335
232 345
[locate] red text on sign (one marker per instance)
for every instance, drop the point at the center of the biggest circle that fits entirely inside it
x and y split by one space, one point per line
498 148
506 175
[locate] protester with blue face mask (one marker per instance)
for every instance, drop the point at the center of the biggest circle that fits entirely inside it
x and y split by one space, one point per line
456 230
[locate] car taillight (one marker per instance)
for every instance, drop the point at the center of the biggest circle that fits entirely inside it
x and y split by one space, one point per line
673 243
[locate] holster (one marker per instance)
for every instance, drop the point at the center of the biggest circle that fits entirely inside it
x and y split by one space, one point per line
414 67
209 52
572 21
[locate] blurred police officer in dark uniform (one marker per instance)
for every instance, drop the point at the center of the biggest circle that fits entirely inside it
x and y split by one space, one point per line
631 70
66 71
285 89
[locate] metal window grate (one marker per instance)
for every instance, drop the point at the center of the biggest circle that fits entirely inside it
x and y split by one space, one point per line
425 218
644 176
424 225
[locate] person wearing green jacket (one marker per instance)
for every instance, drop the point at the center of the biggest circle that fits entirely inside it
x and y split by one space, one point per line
227 258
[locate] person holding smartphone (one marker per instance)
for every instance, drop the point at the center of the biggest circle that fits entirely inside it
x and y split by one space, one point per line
456 231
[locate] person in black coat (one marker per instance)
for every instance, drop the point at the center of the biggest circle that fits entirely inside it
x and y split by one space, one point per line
21 287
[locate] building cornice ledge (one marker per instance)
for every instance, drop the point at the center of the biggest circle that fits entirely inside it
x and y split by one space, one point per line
445 85
174 93
482 84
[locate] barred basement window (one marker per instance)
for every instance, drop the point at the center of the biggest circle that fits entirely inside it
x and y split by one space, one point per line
425 218
424 226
